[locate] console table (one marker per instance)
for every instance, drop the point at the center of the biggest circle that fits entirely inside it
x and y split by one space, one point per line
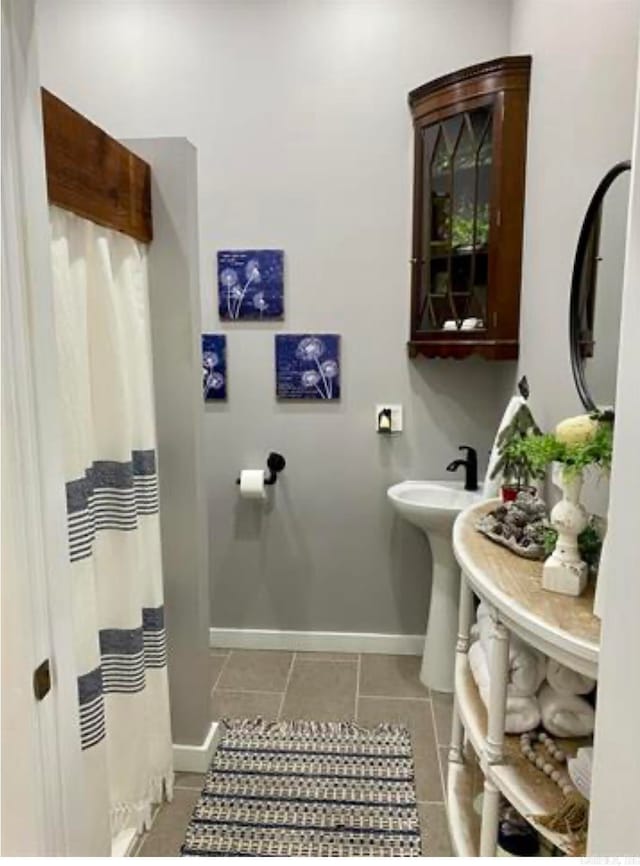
563 628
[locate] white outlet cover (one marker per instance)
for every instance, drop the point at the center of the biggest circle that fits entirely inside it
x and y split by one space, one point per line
396 415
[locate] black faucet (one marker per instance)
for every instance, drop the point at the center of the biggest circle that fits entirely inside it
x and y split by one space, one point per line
470 465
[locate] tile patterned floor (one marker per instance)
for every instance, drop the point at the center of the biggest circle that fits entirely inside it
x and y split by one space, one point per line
365 688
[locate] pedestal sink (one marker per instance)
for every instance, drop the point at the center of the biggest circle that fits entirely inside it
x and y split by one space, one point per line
432 506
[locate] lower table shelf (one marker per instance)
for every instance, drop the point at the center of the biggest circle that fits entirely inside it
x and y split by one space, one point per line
523 785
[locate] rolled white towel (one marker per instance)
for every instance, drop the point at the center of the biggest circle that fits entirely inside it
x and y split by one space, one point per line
523 714
568 682
527 666
565 715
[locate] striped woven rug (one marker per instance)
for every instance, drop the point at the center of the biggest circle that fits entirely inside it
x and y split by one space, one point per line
307 789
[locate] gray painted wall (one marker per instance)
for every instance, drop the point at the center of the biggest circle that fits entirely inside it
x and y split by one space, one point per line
327 554
174 303
300 118
317 158
580 124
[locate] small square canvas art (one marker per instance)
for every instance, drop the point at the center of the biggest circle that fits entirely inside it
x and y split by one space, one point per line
250 284
214 366
308 366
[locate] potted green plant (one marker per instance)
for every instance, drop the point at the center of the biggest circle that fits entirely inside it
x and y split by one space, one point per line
577 444
518 471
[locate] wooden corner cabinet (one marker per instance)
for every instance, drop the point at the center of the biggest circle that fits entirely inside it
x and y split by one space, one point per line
470 132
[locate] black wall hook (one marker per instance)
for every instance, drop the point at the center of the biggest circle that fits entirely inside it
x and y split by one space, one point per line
275 464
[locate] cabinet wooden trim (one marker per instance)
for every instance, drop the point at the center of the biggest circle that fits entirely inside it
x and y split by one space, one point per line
488 77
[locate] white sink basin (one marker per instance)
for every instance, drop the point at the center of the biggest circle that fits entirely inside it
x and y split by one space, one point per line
433 506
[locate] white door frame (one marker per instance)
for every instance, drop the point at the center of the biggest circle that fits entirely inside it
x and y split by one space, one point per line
614 830
36 597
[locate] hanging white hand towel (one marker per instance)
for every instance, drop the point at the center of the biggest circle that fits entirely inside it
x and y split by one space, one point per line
491 486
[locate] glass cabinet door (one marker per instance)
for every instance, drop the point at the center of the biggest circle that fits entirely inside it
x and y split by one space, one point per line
454 253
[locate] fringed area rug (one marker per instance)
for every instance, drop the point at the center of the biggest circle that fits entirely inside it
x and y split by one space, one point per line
307 789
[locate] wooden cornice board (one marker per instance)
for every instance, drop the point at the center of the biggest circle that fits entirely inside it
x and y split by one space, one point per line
92 174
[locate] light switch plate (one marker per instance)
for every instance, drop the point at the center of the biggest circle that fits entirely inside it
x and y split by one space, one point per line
396 415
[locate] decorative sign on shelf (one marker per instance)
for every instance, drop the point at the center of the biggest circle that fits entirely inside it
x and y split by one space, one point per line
250 284
308 366
214 366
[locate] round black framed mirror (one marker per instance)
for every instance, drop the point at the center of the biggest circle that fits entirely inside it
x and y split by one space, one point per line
596 291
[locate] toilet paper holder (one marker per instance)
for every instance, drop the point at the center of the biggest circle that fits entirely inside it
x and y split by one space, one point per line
275 464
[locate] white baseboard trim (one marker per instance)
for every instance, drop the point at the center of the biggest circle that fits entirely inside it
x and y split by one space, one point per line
317 641
196 759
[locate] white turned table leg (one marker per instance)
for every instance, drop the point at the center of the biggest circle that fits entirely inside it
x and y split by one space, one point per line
465 620
490 816
465 616
457 737
498 679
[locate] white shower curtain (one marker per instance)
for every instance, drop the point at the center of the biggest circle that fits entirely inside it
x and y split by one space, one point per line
104 360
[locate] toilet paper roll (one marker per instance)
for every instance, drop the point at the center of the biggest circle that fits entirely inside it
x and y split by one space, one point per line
252 484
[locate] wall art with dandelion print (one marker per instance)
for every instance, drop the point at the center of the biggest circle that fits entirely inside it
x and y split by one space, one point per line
214 366
308 366
250 284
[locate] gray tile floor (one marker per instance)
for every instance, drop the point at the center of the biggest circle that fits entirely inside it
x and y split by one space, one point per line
323 686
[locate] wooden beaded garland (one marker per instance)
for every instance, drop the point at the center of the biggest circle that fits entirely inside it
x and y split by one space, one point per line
572 815
554 752
546 741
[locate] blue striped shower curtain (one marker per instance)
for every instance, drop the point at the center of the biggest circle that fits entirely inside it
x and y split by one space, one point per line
104 362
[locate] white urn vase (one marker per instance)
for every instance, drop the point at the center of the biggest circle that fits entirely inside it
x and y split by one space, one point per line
564 571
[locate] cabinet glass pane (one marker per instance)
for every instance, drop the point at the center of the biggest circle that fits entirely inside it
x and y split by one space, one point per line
455 222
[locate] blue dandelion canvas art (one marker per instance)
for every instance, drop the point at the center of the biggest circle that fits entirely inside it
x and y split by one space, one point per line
308 366
250 284
214 366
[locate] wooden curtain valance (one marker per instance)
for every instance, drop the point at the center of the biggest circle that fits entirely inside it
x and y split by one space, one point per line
92 174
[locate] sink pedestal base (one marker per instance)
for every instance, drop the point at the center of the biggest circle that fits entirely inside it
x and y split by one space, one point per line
438 659
432 506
